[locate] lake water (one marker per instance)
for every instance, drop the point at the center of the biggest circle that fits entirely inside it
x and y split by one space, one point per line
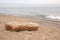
30 11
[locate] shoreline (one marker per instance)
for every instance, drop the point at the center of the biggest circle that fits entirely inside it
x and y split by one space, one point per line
27 19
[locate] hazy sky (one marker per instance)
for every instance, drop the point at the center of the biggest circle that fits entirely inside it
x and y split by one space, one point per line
32 1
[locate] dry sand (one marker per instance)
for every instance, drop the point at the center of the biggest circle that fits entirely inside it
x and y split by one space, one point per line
48 30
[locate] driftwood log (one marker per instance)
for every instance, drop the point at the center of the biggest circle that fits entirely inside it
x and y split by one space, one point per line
15 26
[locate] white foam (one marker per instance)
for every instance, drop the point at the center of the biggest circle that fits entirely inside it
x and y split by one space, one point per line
52 17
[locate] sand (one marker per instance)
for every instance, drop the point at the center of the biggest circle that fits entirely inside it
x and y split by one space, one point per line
48 30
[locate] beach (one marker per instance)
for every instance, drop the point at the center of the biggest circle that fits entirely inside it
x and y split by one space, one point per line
48 29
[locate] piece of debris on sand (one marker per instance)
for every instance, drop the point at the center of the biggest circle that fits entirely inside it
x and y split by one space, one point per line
15 26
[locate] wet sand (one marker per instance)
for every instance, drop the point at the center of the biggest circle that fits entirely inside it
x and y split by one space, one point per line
48 29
